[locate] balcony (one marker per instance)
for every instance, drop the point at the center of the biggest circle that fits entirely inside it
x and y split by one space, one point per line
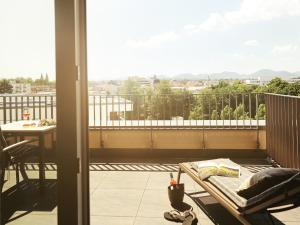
134 146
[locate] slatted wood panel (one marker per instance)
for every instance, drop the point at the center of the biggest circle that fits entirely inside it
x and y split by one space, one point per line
283 129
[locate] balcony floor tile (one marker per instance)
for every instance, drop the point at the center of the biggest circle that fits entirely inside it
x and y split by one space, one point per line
137 198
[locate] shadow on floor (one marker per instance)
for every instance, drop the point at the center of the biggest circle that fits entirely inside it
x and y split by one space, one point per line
220 216
27 198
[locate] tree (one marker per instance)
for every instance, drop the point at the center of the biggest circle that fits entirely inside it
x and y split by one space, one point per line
163 88
23 80
240 113
130 87
40 81
5 87
278 86
47 79
132 91
162 101
261 112
196 113
226 113
215 115
294 88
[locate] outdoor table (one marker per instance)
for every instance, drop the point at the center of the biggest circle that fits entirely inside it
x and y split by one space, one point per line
18 130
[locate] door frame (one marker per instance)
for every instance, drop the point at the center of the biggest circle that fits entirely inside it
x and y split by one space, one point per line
72 112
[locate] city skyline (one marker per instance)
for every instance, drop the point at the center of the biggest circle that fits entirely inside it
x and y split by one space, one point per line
153 37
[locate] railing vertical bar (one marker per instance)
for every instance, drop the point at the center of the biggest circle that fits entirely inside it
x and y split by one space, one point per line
283 132
112 109
33 106
157 114
268 124
4 110
256 110
276 124
119 113
209 115
223 118
100 110
51 99
183 103
298 132
94 109
284 137
289 134
189 109
131 108
10 109
236 116
22 107
294 132
176 112
106 110
216 111
171 111
202 97
250 108
144 104
151 110
280 129
203 133
16 108
229 103
294 155
292 106
195 100
46 108
40 108
28 104
164 109
138 108
243 103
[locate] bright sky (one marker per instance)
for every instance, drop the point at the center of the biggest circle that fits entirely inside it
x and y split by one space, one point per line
165 37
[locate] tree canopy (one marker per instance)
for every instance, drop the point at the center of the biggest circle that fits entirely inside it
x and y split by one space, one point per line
5 87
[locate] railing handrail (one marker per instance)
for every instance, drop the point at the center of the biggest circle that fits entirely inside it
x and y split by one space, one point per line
282 95
174 94
27 95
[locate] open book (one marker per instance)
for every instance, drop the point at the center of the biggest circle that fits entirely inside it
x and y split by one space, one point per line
206 169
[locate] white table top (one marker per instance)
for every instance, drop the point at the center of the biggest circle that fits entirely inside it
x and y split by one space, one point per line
18 127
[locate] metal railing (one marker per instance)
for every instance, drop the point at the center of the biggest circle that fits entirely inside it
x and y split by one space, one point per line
234 110
283 129
12 107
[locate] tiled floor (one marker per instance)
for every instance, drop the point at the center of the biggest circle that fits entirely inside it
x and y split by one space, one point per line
130 198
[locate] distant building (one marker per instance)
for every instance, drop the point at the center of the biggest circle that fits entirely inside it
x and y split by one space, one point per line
193 90
103 88
42 88
20 87
294 79
253 81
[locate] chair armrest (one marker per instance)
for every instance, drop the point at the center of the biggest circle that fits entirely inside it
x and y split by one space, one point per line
18 144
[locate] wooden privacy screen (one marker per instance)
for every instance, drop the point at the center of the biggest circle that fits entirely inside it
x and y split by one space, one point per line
283 129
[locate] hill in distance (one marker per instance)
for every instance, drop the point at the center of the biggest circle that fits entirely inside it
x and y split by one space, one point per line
264 74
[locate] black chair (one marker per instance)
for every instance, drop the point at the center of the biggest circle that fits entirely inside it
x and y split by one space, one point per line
15 155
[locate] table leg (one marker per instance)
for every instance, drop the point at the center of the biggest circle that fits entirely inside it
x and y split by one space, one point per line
41 161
